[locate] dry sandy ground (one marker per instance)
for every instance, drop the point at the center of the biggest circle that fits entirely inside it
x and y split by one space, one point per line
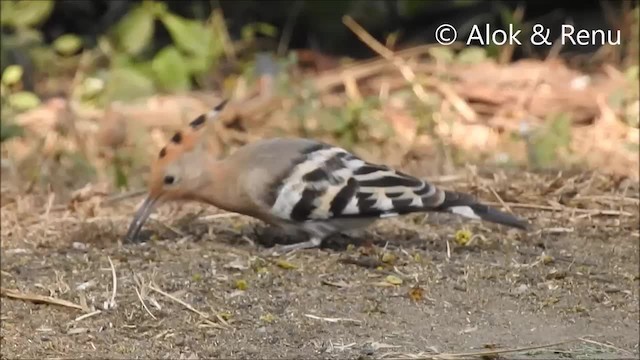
405 288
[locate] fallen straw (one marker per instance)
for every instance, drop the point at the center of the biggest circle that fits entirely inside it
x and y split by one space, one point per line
38 299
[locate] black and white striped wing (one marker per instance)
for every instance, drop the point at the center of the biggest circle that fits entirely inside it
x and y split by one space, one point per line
328 183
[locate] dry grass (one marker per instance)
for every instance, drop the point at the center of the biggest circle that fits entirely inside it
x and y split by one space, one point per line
576 267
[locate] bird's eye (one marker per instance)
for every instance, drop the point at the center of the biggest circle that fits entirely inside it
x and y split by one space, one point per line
169 179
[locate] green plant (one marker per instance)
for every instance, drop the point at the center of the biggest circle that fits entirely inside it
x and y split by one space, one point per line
546 143
13 100
137 70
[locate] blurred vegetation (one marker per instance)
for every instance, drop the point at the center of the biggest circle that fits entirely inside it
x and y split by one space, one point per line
132 59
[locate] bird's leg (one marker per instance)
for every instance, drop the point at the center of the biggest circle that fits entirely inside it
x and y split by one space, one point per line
313 242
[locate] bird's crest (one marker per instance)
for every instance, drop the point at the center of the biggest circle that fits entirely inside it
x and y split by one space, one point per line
182 150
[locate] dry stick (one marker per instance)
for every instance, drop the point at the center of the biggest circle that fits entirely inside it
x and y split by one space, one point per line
564 208
363 69
333 320
112 302
453 356
460 105
186 305
108 201
614 198
283 44
143 304
606 345
495 193
218 216
123 196
35 298
223 31
525 97
87 315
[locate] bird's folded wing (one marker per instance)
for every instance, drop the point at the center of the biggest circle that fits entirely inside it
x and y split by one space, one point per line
330 183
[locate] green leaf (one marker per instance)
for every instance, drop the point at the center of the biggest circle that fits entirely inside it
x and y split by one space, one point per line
249 31
170 69
9 130
6 12
127 83
472 55
67 44
442 53
135 30
23 100
121 179
198 64
25 13
632 73
188 35
12 75
548 140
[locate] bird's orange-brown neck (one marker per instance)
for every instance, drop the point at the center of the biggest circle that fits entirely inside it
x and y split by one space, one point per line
222 192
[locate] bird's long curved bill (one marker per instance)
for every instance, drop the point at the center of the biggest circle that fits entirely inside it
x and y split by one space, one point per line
140 218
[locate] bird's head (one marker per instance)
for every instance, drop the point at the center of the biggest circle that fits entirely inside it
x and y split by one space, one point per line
179 169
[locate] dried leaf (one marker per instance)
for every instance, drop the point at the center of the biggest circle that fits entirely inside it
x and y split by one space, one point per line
463 237
546 259
76 331
340 284
241 284
416 293
285 265
388 258
89 191
237 264
268 318
394 280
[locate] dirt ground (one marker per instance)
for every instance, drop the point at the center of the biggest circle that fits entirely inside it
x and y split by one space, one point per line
412 287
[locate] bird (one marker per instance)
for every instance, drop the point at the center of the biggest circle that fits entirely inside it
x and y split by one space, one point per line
302 186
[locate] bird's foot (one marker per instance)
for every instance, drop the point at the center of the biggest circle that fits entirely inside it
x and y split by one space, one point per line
284 249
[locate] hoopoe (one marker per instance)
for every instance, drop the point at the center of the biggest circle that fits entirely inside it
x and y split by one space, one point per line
304 186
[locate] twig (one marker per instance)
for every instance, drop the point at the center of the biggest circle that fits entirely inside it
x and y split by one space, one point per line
52 198
495 193
112 302
564 208
455 356
628 199
127 195
35 298
365 69
376 46
458 103
287 31
223 31
333 320
143 304
88 315
186 305
218 216
108 201
606 345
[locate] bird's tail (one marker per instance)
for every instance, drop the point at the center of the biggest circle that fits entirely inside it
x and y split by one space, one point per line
467 206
